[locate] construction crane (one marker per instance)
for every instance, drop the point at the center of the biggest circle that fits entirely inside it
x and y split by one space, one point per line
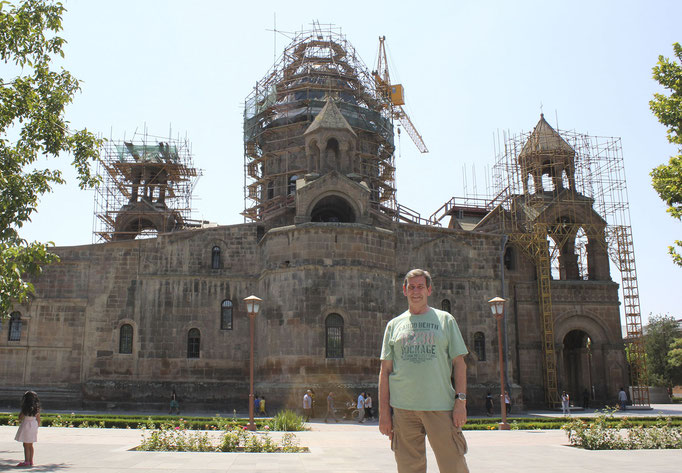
395 95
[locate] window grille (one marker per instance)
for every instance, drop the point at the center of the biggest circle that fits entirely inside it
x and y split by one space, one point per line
334 336
215 257
125 342
14 332
226 315
193 343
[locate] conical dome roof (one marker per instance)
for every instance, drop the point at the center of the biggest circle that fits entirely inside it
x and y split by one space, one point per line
329 118
545 141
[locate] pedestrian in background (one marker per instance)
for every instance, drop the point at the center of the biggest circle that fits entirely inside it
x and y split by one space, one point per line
307 405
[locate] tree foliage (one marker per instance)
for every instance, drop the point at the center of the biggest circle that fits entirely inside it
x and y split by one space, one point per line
667 178
33 97
675 361
660 336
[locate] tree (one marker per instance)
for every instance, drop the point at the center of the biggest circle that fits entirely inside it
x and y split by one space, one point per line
33 98
659 336
675 361
667 178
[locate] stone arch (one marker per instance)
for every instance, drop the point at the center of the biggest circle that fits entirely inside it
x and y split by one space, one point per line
583 346
333 207
577 363
332 152
141 216
313 155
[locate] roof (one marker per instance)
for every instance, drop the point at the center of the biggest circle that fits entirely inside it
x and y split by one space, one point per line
545 140
329 118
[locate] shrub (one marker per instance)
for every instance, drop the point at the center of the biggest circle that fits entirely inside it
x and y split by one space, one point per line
287 421
606 433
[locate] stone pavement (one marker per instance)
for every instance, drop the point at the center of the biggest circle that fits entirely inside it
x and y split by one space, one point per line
334 448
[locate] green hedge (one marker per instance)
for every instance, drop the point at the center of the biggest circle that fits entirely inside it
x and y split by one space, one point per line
134 422
223 423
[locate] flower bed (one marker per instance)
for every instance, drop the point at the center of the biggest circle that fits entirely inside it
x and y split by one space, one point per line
173 438
608 433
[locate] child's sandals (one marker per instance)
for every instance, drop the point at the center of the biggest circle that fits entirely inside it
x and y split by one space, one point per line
25 463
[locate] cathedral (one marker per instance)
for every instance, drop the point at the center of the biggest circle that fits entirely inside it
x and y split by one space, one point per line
122 323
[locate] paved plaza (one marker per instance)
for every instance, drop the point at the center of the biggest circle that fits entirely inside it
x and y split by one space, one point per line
334 448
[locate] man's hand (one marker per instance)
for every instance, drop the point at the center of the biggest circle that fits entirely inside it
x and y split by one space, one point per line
386 425
459 413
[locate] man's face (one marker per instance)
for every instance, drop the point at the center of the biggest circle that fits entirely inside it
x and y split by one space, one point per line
416 292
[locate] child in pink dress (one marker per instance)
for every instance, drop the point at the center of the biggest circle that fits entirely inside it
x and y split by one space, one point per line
28 430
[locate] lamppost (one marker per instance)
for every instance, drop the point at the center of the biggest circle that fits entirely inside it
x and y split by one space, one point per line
497 308
252 308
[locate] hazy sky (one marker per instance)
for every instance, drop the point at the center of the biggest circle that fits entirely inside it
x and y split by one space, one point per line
469 68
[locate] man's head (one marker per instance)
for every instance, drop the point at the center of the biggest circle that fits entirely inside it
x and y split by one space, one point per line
417 272
417 289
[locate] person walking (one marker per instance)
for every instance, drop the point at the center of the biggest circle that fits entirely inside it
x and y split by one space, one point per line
565 404
489 404
307 405
420 350
330 408
28 429
368 406
507 403
361 408
622 399
256 405
263 412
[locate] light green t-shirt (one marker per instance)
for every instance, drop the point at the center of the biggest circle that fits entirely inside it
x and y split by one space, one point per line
422 348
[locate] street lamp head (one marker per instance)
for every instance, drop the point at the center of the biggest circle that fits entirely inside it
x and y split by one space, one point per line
253 304
497 306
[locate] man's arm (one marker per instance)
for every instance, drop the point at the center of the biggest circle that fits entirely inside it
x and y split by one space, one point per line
385 421
459 413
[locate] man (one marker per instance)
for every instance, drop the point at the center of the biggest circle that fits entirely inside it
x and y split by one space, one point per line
256 405
330 408
622 398
421 348
307 405
361 408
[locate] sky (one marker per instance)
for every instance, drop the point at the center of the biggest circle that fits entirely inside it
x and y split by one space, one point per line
471 70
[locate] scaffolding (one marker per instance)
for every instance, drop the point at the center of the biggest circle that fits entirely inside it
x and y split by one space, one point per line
317 64
561 196
146 189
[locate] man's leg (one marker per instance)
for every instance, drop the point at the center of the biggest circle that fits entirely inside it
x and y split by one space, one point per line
447 441
408 441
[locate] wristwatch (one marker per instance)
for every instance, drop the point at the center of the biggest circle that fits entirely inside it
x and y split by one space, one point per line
461 396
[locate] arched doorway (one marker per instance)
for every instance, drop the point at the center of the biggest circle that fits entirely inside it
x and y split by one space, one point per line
577 365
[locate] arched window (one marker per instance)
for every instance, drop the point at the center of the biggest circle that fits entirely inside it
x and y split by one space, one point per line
445 305
479 345
226 315
14 332
125 340
215 257
193 343
333 327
